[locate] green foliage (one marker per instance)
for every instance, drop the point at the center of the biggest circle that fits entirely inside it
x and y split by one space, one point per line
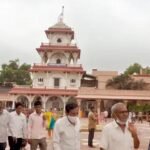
125 82
12 72
146 70
135 68
139 108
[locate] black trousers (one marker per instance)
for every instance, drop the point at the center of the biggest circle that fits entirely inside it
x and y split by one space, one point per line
91 136
2 146
14 145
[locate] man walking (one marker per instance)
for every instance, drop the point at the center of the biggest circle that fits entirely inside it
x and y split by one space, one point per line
17 128
37 128
119 134
92 120
4 123
67 129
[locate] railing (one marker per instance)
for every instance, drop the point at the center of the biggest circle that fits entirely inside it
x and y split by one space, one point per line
22 86
56 87
57 65
93 91
62 44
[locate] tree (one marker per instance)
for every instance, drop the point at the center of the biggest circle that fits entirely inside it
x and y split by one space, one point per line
146 70
12 72
125 82
119 82
135 68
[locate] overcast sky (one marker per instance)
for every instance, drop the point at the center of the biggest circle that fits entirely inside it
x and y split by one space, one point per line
112 34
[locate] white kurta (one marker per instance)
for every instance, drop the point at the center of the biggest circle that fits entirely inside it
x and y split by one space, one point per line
113 138
66 136
4 124
17 125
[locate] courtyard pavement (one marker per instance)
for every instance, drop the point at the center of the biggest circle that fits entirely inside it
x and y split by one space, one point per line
143 132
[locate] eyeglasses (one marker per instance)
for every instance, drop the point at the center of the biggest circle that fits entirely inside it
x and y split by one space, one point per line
123 112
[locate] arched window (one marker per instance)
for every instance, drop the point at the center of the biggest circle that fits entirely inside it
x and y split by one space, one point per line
58 61
40 79
59 40
73 81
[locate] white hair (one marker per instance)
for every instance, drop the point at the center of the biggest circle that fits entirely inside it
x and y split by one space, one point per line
115 108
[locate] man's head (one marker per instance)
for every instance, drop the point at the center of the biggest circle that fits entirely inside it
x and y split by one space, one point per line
72 109
92 108
1 107
120 113
18 107
38 107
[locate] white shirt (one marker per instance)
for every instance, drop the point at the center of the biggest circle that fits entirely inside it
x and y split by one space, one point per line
17 125
113 138
66 136
105 113
36 126
4 123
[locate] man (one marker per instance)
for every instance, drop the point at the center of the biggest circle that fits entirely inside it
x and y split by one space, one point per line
4 123
105 115
67 129
37 128
17 128
140 116
119 134
92 120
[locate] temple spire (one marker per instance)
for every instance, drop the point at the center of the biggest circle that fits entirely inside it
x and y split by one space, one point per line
61 16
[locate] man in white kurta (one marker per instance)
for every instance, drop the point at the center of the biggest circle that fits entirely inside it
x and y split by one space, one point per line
67 129
66 135
119 134
113 138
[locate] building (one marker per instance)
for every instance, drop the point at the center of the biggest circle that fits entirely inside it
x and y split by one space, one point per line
59 78
56 79
102 98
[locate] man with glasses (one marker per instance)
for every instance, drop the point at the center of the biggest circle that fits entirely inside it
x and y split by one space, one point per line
119 134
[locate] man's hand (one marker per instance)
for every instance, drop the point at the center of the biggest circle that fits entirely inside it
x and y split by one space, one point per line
29 141
132 129
44 117
14 139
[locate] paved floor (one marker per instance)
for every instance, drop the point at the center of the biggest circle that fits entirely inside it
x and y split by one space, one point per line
143 131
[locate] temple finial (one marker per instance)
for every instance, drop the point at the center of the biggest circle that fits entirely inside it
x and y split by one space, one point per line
61 16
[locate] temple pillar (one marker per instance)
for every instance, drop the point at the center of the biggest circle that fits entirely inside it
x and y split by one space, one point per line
79 104
125 102
64 104
98 109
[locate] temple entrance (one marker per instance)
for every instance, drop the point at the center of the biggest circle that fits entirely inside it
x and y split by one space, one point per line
24 100
54 102
37 98
85 107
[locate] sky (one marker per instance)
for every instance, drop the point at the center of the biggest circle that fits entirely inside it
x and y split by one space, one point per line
112 34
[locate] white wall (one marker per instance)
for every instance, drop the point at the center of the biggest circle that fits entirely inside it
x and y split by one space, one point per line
48 80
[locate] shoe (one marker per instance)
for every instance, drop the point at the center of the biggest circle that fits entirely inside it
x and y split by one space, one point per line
91 146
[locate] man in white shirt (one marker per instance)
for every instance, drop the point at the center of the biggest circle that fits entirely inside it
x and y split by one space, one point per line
119 134
4 123
37 128
67 129
17 128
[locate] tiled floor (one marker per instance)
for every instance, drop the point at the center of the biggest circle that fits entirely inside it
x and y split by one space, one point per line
143 130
